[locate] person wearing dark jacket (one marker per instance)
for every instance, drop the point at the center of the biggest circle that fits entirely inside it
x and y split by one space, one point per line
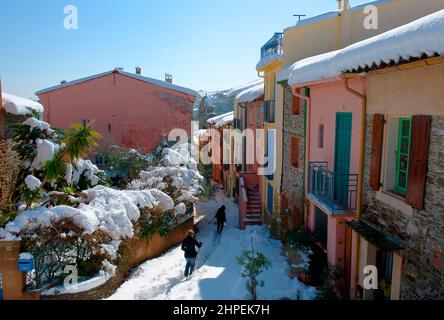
189 246
221 219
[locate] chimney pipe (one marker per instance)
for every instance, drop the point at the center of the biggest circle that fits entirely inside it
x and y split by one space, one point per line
139 70
63 82
169 78
346 5
339 4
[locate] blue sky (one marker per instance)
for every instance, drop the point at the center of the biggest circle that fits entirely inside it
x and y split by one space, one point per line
206 44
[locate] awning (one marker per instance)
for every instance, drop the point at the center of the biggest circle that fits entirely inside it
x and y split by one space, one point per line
378 238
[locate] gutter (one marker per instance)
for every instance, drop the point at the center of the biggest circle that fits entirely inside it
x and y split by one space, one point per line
363 99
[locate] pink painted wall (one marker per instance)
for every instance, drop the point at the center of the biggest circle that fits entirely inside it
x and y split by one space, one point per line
141 114
327 100
252 109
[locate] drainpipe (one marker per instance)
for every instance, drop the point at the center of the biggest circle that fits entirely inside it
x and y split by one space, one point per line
363 99
307 133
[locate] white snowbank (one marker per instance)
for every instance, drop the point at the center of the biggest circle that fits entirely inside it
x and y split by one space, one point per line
108 210
35 123
413 40
45 151
82 286
32 183
222 120
269 58
235 91
20 106
217 275
25 256
250 94
85 167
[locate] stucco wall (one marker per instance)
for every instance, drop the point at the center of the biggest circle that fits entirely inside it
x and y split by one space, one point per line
327 100
406 92
141 114
338 32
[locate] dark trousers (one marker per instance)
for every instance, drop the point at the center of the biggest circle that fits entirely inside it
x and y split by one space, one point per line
220 226
189 268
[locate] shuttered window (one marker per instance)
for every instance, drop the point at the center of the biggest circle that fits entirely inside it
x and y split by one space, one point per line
403 155
377 140
321 136
419 149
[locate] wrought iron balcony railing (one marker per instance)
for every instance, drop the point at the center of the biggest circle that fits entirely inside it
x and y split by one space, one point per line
269 111
337 191
273 46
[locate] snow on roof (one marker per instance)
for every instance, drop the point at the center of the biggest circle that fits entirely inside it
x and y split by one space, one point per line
235 91
156 82
250 94
20 106
424 36
222 119
335 13
267 59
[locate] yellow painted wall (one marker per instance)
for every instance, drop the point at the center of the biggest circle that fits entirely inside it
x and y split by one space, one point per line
338 32
400 93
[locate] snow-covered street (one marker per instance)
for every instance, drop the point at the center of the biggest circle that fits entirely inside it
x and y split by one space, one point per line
217 275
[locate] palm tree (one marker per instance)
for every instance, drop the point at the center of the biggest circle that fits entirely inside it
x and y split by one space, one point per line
78 140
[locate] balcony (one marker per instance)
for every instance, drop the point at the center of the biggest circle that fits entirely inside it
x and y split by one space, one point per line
274 46
269 111
336 192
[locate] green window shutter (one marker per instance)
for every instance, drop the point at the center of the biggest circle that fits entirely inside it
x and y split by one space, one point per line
403 155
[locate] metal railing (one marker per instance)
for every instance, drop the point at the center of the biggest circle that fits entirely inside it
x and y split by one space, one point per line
273 46
337 191
269 111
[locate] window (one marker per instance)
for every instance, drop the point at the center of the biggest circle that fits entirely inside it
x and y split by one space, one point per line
295 152
403 155
270 199
109 128
321 136
321 227
251 114
100 160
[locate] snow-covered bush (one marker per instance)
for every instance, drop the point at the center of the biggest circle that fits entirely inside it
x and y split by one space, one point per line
176 174
85 235
52 159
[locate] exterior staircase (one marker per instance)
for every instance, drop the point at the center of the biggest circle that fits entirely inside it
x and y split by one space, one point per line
253 215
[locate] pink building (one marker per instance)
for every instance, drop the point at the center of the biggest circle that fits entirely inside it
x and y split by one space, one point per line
334 142
129 110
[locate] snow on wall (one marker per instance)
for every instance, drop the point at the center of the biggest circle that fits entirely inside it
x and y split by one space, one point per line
250 94
267 59
235 91
413 40
20 106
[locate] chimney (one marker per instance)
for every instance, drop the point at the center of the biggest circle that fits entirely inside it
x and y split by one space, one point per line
339 4
63 82
169 78
346 6
139 70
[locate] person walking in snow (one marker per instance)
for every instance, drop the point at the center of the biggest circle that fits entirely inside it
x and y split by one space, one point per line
221 219
189 246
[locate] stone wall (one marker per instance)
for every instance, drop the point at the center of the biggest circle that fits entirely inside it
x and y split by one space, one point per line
423 232
292 177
